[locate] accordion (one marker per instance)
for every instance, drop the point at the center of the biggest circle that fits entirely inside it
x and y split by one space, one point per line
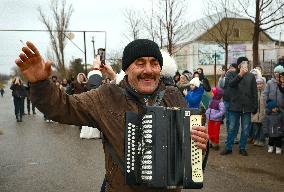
159 152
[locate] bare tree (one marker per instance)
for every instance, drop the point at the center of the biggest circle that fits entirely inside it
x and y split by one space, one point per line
220 23
171 15
115 59
134 24
150 22
57 26
267 15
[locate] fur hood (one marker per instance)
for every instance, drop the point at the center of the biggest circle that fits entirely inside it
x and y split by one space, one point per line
85 78
169 65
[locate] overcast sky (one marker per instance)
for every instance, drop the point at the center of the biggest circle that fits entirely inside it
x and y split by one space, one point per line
95 15
105 15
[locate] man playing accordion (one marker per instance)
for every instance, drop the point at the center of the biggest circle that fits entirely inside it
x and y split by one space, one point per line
105 107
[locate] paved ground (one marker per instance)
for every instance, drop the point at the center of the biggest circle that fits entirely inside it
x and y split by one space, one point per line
40 156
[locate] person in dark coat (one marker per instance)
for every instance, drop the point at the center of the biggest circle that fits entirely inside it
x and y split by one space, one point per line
29 103
243 102
204 81
273 126
2 92
80 85
19 94
224 84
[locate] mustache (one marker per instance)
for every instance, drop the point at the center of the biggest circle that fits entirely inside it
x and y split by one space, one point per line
146 76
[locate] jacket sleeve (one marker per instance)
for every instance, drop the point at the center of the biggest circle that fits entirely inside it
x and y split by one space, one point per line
234 81
219 113
68 109
266 92
221 82
221 109
254 94
206 85
281 89
207 113
12 87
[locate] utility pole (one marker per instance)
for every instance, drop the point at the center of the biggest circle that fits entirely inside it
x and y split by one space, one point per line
215 68
93 41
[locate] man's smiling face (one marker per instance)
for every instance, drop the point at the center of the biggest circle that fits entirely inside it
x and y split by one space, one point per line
144 74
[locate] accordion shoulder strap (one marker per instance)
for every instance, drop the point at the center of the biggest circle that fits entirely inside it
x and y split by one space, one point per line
113 154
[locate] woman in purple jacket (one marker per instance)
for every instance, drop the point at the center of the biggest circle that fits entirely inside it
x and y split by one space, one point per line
215 114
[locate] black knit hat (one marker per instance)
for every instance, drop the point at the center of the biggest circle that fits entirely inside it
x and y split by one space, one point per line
241 59
140 48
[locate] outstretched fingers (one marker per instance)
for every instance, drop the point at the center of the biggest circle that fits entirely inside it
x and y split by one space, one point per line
29 53
23 57
33 48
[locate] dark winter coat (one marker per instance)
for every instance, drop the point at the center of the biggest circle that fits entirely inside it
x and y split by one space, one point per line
273 125
104 108
18 91
224 84
79 88
243 93
204 81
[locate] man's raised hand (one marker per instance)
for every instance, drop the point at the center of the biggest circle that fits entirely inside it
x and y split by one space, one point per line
32 65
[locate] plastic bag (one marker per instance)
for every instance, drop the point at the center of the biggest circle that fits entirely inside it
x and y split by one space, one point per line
90 133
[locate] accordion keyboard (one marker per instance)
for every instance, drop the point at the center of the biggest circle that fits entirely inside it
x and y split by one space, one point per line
159 151
196 153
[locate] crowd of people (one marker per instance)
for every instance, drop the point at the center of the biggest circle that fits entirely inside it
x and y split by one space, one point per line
242 99
249 97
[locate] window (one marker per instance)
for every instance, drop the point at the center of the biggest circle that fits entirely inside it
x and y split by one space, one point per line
236 32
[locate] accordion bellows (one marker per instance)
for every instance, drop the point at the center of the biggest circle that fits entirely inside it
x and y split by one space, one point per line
159 152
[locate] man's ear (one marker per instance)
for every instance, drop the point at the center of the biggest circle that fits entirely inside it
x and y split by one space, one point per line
127 71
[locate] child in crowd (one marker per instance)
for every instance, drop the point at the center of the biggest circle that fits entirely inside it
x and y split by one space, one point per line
273 126
194 95
214 115
256 119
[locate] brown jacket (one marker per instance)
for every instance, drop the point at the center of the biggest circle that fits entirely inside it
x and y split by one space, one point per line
104 108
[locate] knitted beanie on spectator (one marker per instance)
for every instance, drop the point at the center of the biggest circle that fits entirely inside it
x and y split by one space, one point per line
241 59
279 69
140 48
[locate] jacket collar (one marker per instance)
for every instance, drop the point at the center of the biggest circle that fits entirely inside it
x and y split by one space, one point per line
143 99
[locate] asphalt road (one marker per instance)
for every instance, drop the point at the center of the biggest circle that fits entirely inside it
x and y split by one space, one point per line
40 156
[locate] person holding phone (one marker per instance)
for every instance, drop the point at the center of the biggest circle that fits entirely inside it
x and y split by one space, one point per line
105 107
242 103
